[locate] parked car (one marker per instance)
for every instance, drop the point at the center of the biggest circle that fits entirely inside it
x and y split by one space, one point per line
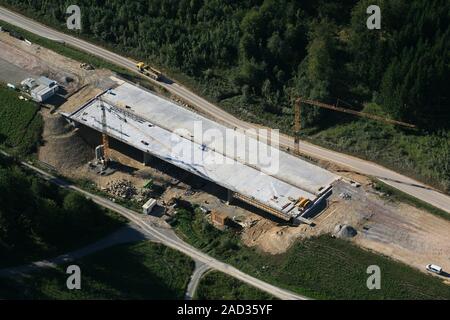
434 268
355 184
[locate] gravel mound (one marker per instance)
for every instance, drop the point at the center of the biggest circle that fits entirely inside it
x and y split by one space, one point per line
344 231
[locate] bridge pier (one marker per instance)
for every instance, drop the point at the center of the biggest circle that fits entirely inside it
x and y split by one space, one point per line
229 196
146 158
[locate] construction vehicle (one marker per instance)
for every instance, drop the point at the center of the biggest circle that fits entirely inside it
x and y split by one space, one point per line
86 66
149 71
303 203
297 113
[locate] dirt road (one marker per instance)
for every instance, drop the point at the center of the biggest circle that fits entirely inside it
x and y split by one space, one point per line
124 235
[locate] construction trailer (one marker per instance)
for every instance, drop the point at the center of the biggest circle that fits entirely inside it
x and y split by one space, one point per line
161 128
41 89
42 93
148 206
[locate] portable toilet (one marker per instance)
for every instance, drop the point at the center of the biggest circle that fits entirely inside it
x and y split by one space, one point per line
148 206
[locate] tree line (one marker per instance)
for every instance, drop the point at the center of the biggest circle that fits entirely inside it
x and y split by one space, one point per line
266 52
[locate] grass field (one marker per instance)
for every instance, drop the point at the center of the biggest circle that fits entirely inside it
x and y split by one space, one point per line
136 271
218 286
323 268
20 123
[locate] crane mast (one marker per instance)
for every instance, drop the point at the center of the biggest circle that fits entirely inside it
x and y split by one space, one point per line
105 138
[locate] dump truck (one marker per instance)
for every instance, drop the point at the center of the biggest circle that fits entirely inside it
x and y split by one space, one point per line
149 71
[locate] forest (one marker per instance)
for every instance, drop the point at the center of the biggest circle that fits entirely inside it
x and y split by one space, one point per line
38 220
253 57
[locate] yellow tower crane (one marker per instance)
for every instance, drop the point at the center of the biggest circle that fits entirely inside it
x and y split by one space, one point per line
297 110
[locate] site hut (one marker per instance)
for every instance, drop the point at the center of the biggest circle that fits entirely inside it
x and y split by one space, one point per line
159 127
219 218
45 88
148 206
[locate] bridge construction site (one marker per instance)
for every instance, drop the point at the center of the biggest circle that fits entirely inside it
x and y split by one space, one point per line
282 185
123 126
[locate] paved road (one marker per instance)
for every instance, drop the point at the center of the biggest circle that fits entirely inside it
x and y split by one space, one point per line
168 238
403 183
199 271
126 234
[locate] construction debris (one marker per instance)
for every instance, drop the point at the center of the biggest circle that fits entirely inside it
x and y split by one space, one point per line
121 188
345 195
126 190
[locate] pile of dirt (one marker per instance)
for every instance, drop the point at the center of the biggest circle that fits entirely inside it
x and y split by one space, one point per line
269 236
63 148
66 153
344 231
55 125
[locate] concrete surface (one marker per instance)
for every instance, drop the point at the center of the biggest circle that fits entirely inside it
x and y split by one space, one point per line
151 123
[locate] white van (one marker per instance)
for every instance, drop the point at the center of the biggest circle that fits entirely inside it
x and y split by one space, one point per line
434 268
